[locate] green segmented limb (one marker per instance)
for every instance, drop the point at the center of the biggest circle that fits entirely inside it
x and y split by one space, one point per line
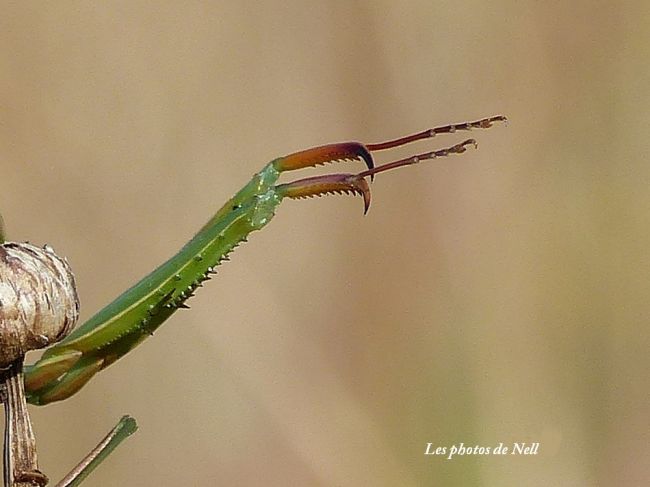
137 313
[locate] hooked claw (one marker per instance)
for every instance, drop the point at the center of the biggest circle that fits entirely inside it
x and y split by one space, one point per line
345 151
329 184
356 183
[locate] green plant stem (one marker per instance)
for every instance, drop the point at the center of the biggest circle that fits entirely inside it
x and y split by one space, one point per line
124 428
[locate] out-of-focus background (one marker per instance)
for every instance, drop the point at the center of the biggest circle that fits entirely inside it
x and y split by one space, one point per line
498 296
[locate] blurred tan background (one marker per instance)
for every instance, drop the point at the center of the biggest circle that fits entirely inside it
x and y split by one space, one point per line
500 296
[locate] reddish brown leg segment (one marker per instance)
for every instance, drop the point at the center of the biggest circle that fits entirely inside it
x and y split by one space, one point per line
329 184
356 183
407 161
345 151
484 123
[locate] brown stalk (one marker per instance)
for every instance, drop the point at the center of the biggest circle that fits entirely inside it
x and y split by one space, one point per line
20 459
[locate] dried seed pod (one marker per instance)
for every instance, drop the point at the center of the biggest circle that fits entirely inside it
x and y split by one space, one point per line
38 299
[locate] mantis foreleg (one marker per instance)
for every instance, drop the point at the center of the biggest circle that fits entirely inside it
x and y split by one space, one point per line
138 312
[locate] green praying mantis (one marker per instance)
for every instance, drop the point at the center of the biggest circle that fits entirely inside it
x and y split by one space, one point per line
133 316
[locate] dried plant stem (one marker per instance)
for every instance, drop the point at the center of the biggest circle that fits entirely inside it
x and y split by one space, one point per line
20 460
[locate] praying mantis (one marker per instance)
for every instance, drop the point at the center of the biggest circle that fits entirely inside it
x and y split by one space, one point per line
119 327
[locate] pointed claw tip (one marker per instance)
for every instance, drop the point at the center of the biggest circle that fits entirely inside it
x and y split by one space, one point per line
364 153
366 202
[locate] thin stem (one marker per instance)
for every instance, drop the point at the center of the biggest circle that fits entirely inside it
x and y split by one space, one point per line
124 428
20 460
2 230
